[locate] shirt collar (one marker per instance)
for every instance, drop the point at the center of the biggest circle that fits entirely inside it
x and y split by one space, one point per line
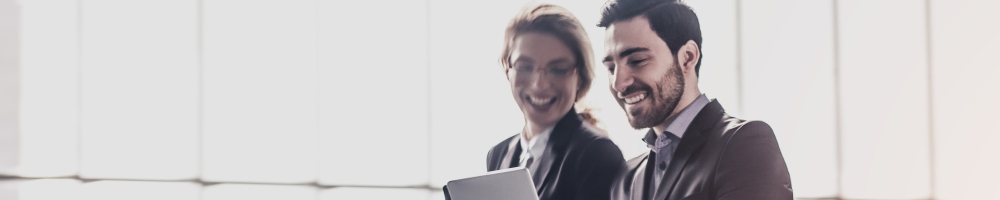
537 144
680 122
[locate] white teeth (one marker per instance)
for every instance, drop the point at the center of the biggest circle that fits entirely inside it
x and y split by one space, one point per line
539 101
635 98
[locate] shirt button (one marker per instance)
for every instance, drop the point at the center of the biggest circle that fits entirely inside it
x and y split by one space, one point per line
663 166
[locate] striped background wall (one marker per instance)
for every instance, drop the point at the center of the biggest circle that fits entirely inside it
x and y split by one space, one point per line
324 99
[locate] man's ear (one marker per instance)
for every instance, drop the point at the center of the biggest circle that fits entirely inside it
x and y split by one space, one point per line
688 56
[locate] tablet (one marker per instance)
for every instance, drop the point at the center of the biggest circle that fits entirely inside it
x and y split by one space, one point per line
504 184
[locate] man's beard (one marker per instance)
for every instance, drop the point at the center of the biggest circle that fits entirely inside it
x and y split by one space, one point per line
663 102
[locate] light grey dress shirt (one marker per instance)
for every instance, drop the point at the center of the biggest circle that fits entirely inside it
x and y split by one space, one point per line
533 149
664 147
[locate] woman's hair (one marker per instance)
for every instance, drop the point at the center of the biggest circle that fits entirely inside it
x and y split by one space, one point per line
558 22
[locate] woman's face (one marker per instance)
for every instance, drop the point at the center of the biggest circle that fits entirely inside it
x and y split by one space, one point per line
543 77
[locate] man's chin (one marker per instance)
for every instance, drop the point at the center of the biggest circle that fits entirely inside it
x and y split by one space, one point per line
635 124
636 127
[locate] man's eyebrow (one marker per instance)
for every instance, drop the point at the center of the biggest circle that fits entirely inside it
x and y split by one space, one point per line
630 51
627 52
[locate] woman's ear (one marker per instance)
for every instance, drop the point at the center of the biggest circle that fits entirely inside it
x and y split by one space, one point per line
506 71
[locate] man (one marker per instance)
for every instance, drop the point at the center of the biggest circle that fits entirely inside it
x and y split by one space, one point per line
697 151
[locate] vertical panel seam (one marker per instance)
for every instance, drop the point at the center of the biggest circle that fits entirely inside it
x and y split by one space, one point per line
201 88
930 99
429 75
79 87
319 95
838 130
739 58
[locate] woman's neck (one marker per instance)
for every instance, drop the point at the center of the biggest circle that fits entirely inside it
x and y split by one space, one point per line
531 130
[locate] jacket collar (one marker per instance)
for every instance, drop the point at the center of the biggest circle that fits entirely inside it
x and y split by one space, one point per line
692 142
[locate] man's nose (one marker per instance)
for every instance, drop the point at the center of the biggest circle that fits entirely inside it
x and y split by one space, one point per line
622 79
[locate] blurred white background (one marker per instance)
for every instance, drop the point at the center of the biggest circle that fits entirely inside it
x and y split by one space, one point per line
325 99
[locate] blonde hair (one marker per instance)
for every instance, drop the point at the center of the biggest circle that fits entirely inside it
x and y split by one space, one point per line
559 22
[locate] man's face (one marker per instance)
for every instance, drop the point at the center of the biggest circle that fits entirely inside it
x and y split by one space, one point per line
543 77
645 78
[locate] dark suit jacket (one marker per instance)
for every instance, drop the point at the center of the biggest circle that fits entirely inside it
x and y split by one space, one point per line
719 157
582 162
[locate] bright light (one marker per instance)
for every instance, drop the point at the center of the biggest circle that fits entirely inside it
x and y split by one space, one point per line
410 93
260 93
49 96
471 108
964 77
139 89
41 189
373 94
885 137
787 54
131 190
374 194
259 192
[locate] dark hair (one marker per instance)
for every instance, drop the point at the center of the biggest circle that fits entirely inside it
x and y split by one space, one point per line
559 22
672 20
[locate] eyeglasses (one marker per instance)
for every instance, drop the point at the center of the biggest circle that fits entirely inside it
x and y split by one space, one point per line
522 71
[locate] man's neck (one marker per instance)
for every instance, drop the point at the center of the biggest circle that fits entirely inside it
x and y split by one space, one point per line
686 99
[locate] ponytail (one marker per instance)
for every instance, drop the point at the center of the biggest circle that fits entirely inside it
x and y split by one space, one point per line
587 113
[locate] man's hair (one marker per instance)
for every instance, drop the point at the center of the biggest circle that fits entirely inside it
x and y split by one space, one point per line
672 20
558 22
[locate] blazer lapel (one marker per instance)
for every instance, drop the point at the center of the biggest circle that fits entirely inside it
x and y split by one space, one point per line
691 144
544 166
512 151
639 183
556 149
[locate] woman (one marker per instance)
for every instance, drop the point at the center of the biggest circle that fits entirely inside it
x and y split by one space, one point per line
547 58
